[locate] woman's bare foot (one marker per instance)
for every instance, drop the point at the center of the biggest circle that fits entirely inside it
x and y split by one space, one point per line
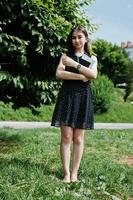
66 178
74 178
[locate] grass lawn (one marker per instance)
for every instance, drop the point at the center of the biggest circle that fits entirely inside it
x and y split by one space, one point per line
30 167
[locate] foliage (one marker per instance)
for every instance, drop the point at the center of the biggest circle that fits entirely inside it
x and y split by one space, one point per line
102 94
49 91
113 61
129 87
32 37
27 92
44 25
16 53
31 167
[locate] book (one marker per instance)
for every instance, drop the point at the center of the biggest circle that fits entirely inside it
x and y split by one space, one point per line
87 61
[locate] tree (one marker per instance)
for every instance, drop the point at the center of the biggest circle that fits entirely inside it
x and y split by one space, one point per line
32 37
113 61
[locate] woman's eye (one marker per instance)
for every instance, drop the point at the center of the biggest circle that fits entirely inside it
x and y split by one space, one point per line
79 37
74 38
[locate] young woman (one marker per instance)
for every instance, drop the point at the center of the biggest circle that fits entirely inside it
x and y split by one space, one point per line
74 108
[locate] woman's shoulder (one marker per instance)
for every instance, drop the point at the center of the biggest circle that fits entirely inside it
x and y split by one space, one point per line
88 57
94 57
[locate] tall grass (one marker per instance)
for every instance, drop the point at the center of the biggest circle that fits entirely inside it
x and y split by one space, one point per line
31 168
42 113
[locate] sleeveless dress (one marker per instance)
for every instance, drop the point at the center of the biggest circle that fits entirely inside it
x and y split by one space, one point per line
74 106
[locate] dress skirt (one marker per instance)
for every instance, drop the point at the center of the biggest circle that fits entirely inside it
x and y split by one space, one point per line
74 106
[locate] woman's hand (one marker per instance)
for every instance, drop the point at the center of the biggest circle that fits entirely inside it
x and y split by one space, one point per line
67 61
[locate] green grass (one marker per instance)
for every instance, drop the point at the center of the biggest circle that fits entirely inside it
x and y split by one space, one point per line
42 113
119 111
30 167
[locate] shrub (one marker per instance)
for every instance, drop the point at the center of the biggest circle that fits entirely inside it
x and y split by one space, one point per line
27 92
102 93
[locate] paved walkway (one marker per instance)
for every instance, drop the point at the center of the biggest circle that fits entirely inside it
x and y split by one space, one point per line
29 125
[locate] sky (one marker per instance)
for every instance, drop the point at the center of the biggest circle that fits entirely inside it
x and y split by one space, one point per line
115 20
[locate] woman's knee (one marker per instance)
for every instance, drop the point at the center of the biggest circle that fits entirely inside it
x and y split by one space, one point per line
78 137
78 140
66 139
66 135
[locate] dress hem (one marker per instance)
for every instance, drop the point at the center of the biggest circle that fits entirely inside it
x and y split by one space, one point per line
85 128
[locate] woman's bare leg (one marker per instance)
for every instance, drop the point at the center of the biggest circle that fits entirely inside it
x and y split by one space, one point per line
78 145
66 140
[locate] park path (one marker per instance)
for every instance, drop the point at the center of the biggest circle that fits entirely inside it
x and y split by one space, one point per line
29 125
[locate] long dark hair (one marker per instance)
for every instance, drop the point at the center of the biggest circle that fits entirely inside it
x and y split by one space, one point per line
87 46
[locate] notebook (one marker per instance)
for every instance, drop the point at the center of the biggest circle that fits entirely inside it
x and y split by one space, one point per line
87 61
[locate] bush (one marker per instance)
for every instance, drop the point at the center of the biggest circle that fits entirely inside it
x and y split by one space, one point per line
30 93
102 94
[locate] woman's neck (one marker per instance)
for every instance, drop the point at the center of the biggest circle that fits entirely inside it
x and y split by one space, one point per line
79 53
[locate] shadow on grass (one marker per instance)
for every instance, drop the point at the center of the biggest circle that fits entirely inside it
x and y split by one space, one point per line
7 140
10 139
29 164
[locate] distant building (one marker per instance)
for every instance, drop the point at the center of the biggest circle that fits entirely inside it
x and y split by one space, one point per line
128 47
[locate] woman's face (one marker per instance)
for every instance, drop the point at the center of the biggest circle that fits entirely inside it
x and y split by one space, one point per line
78 40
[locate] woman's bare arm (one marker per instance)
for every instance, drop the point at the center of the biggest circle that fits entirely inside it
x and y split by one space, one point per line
66 75
90 73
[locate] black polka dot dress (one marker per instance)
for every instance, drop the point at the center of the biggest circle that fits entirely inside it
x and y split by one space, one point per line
74 107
